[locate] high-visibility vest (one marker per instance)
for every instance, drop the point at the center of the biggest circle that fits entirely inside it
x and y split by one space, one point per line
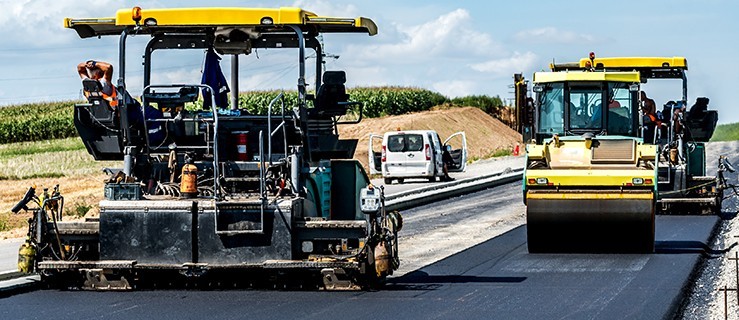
112 98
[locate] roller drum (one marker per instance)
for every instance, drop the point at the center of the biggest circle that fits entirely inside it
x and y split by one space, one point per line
590 223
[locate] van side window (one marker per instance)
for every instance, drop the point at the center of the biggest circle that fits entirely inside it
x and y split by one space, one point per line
415 142
396 143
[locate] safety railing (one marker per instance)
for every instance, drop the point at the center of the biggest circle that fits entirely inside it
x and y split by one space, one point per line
272 133
216 175
262 199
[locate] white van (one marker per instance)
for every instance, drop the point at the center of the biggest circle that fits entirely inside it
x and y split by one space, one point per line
414 154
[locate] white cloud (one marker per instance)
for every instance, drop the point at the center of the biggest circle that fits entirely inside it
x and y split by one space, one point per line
515 63
553 35
456 88
450 35
39 22
191 75
369 76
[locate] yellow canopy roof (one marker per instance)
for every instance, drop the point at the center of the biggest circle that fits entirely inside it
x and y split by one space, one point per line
545 77
194 18
637 62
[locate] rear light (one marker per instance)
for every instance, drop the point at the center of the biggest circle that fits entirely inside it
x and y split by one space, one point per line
384 154
637 181
647 181
540 181
428 152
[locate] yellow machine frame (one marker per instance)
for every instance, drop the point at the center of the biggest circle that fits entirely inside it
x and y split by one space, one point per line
216 17
546 77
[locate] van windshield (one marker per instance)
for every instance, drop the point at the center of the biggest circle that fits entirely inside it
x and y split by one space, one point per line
405 142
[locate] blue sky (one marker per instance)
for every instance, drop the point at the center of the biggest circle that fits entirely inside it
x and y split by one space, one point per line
454 47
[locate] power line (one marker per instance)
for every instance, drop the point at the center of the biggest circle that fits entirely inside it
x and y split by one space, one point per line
36 98
52 49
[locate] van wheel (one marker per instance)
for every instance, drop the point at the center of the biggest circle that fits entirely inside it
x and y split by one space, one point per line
388 181
432 179
400 181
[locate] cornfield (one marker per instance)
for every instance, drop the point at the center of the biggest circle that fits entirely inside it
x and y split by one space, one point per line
35 122
54 120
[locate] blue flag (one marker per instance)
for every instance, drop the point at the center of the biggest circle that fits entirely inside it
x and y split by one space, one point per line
213 76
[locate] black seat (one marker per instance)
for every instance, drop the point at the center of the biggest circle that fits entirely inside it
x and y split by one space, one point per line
100 108
331 97
701 122
97 124
698 110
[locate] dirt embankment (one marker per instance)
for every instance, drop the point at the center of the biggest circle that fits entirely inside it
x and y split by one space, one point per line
78 190
485 134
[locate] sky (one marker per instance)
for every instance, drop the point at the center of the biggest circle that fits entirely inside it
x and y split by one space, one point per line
457 48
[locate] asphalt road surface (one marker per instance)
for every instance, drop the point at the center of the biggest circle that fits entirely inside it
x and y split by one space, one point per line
497 279
9 254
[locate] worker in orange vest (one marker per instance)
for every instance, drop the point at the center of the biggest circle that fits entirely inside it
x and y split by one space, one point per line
102 72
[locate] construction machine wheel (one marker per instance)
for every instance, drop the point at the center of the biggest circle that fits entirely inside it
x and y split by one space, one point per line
590 225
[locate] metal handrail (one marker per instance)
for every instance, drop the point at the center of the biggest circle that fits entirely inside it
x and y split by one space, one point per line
281 125
214 108
262 198
262 192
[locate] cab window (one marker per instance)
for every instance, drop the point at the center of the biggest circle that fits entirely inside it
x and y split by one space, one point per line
551 115
620 115
585 106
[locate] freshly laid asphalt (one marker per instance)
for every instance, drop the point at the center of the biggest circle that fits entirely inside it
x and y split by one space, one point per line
497 279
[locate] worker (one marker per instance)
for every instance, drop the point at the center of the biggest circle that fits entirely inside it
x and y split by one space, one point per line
446 158
649 110
647 105
103 73
678 116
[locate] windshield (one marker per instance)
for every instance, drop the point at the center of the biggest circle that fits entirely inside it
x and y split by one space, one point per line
551 115
583 105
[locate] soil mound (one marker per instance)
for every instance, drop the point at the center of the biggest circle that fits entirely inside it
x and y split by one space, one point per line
485 134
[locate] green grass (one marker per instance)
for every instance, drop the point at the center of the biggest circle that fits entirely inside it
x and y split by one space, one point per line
726 132
504 152
27 148
47 159
33 176
500 152
79 209
4 221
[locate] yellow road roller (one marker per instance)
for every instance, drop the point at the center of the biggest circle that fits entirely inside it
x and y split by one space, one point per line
601 160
